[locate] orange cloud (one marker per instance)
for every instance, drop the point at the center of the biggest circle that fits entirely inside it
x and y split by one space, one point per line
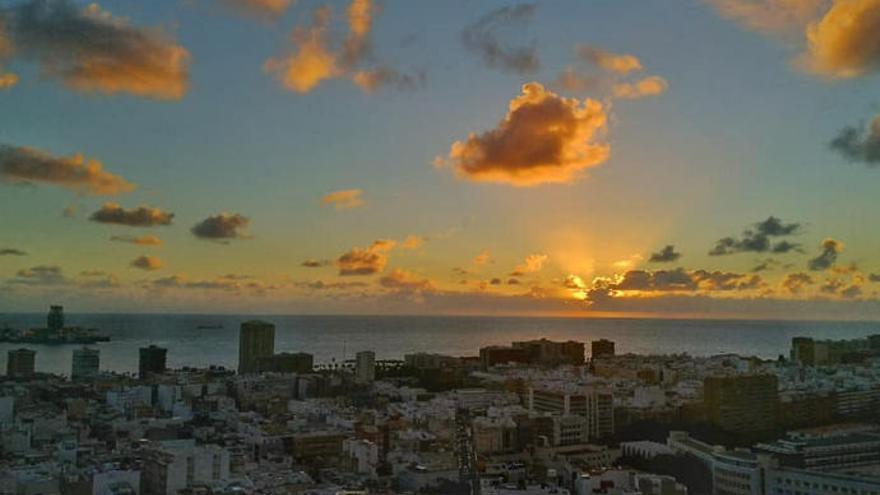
142 216
482 258
261 8
613 62
90 50
147 240
313 62
544 138
403 280
19 164
533 263
367 261
345 199
770 16
148 263
843 43
649 86
413 242
8 80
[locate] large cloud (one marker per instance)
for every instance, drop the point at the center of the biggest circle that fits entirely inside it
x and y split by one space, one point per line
544 138
142 216
485 38
20 164
345 199
827 257
859 144
90 50
40 275
677 280
843 44
759 239
365 261
648 86
223 226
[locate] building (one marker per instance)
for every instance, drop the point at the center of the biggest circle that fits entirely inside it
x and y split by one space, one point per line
594 404
256 340
55 318
429 361
601 348
20 363
287 362
846 451
549 353
494 355
365 367
86 364
152 360
172 465
742 403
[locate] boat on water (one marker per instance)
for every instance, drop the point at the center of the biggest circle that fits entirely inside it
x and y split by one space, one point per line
54 333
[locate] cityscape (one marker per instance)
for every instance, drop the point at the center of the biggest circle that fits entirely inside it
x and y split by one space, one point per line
528 417
439 247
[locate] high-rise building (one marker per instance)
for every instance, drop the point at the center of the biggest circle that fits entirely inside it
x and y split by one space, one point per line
20 363
601 348
742 403
256 341
550 353
170 466
365 367
152 360
86 363
55 319
596 404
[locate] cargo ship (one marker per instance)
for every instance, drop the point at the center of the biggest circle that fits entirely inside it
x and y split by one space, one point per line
54 333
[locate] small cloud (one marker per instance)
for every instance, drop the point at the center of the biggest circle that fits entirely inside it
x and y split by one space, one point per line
619 63
148 263
485 39
795 282
69 211
758 239
366 261
12 252
649 86
544 138
8 80
223 226
413 242
266 9
345 199
532 264
40 275
147 240
313 263
402 280
22 165
770 17
830 250
874 277
371 80
666 255
142 216
90 50
859 144
482 258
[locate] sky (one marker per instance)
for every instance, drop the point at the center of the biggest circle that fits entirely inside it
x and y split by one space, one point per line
696 158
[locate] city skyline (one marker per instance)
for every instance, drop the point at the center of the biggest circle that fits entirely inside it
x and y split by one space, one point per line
708 158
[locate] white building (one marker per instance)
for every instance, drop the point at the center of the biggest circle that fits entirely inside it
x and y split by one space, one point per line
365 367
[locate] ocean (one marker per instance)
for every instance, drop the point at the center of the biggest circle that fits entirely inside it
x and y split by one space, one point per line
337 338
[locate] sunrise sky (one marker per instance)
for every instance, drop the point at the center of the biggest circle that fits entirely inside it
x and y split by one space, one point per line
705 158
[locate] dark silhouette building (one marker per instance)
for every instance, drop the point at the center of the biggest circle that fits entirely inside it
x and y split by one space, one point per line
287 362
55 318
86 363
20 363
256 341
601 348
152 360
742 403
